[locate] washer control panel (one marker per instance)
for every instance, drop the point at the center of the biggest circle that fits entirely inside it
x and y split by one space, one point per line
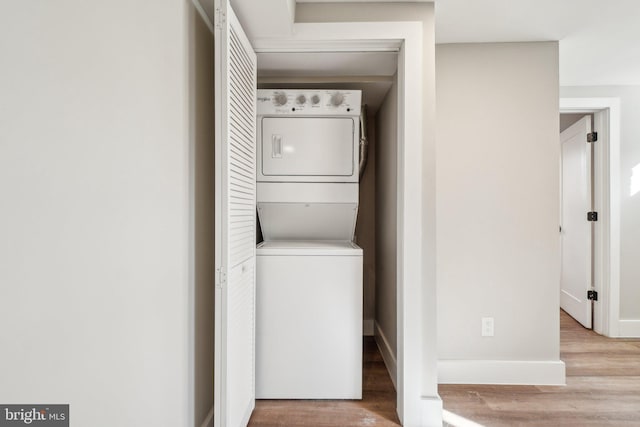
309 102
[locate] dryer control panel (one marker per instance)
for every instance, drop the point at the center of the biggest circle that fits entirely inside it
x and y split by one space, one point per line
309 102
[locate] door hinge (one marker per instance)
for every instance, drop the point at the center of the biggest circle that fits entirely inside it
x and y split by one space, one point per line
592 216
221 277
220 18
592 295
592 137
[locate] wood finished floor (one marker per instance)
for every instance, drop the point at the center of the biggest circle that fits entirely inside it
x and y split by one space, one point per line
377 407
603 388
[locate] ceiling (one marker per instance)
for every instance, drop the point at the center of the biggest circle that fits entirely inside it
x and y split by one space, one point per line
599 39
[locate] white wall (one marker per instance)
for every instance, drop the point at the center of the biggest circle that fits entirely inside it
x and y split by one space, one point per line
201 139
629 203
94 212
497 212
386 228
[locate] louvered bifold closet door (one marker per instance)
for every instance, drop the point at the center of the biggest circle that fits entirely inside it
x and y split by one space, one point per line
235 124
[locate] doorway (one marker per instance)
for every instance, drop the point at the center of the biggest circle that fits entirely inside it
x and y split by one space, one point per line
416 403
605 235
577 217
374 74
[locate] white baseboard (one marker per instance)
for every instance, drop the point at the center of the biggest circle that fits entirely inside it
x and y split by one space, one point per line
629 328
387 354
431 411
367 328
529 372
208 422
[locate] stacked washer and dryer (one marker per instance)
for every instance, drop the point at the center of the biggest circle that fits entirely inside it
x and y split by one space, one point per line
309 271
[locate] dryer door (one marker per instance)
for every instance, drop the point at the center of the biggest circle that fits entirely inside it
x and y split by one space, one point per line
308 148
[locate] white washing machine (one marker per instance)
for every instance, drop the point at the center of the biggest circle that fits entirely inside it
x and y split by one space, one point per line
308 271
309 320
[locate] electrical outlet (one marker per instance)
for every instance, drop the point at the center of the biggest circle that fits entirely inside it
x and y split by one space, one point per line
487 326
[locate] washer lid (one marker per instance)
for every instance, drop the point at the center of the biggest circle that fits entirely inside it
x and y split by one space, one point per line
308 221
308 248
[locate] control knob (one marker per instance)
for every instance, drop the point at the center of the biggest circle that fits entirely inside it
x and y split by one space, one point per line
337 99
279 99
315 99
301 99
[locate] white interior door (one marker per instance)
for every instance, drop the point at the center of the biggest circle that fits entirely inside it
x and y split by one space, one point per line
235 228
576 237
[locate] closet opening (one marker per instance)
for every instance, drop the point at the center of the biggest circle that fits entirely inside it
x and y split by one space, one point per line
301 76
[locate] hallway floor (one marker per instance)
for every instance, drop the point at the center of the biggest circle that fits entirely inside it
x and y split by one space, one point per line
377 407
603 388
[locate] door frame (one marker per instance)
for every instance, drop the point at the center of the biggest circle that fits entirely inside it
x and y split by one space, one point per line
416 403
606 188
